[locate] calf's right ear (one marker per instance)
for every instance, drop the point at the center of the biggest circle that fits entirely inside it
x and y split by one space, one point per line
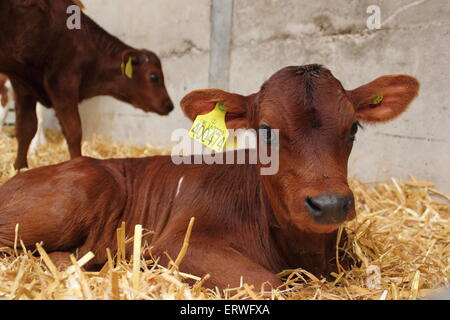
203 101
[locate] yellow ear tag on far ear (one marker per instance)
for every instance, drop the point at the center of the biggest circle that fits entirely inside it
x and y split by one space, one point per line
128 68
377 100
210 129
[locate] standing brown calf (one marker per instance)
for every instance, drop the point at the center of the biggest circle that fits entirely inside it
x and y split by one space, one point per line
246 224
49 63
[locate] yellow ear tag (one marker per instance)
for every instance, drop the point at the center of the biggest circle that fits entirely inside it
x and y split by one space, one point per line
210 129
377 100
128 69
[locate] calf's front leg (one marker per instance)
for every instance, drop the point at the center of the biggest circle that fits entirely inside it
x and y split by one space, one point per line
69 118
225 265
26 124
39 139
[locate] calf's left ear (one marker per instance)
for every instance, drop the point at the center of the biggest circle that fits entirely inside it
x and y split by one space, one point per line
200 102
384 98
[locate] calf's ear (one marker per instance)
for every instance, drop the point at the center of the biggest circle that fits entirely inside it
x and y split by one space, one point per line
203 101
130 59
79 3
384 98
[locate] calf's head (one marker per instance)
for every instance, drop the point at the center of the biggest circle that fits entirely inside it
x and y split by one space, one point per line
142 82
317 120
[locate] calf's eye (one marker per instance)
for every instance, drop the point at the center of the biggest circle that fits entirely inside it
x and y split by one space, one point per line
154 78
354 130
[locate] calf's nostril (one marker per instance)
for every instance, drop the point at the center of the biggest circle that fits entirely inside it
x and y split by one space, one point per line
169 107
313 207
348 201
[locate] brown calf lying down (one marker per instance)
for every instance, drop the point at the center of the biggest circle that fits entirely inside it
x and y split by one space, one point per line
247 224
59 67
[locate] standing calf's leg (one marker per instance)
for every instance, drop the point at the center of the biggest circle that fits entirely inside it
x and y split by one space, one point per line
4 102
3 115
26 124
4 99
63 89
7 98
39 139
4 94
70 121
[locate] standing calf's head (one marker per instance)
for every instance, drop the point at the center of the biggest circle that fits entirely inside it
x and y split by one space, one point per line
142 82
317 121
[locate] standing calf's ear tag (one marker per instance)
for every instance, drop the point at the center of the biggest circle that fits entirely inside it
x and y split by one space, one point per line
210 129
128 68
377 100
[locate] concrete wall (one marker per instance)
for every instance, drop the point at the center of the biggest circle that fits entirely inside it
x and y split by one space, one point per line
414 39
270 34
179 34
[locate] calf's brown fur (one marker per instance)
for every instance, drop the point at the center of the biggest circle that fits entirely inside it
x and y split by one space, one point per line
246 224
3 91
59 67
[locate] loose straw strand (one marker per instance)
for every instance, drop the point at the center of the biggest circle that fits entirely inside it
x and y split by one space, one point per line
185 246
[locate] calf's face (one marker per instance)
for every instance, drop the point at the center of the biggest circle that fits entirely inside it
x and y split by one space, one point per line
143 82
317 121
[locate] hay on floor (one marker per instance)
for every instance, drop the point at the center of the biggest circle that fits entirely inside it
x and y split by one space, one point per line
400 235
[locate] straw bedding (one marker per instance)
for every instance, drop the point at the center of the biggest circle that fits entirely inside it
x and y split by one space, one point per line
400 236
